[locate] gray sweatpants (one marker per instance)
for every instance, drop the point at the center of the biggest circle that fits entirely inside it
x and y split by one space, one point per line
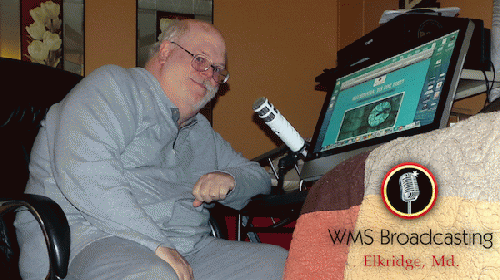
116 258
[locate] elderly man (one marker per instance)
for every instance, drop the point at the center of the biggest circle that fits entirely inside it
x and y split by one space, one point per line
134 165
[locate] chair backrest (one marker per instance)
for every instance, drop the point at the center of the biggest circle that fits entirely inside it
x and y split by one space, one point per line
28 90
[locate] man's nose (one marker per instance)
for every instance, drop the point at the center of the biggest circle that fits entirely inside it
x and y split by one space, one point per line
209 72
209 75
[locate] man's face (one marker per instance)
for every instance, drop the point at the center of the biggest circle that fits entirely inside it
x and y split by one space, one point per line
189 89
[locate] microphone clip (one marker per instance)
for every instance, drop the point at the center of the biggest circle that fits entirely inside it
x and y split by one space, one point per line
286 164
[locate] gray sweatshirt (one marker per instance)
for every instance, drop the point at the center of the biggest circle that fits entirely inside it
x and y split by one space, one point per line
113 157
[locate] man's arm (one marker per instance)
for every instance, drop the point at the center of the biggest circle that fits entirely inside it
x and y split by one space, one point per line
236 181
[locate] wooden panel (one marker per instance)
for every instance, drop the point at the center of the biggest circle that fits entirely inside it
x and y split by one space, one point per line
373 10
469 106
477 9
110 33
351 22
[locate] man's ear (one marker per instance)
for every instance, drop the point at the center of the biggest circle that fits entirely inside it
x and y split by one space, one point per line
165 50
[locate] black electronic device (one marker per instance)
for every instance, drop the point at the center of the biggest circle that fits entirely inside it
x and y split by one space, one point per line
403 31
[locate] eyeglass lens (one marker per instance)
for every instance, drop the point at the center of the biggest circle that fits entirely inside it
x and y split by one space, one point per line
202 64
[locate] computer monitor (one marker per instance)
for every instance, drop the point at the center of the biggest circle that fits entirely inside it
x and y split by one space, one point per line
404 93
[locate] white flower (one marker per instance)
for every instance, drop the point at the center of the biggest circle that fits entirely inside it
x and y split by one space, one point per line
52 41
39 15
52 9
164 23
38 51
45 31
48 15
36 30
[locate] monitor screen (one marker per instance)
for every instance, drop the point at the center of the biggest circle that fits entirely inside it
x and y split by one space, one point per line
408 93
394 95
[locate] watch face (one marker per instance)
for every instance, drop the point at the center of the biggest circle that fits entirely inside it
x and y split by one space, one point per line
379 114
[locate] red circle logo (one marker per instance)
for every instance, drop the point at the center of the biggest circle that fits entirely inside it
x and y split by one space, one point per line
409 190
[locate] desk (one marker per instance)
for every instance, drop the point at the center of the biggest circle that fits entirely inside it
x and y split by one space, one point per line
472 82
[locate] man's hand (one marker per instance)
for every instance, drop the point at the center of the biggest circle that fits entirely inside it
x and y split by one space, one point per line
213 186
176 261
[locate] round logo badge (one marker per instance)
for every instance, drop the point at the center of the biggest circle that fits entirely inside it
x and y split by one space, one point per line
409 190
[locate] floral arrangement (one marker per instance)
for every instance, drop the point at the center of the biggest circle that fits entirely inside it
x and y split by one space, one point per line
45 32
164 23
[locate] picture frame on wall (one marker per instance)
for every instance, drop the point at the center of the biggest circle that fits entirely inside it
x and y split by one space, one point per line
50 36
163 18
42 32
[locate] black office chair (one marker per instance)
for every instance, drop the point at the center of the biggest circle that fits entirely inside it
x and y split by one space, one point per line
29 90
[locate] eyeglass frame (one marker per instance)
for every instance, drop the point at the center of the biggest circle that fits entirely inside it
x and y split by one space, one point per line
216 70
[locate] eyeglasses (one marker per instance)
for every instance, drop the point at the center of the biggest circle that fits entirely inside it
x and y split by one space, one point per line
201 63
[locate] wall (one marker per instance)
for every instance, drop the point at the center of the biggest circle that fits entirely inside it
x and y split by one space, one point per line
477 9
359 17
275 50
110 33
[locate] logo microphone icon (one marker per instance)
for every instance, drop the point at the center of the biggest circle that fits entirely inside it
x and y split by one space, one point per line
409 188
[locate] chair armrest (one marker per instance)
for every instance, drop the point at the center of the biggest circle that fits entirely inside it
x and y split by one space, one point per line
53 223
278 206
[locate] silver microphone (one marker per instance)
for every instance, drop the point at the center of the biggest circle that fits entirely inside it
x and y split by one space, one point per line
279 125
409 188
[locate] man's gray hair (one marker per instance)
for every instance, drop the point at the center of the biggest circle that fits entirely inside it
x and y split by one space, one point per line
175 30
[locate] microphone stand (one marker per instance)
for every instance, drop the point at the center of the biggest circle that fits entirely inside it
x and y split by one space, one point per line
287 209
285 164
